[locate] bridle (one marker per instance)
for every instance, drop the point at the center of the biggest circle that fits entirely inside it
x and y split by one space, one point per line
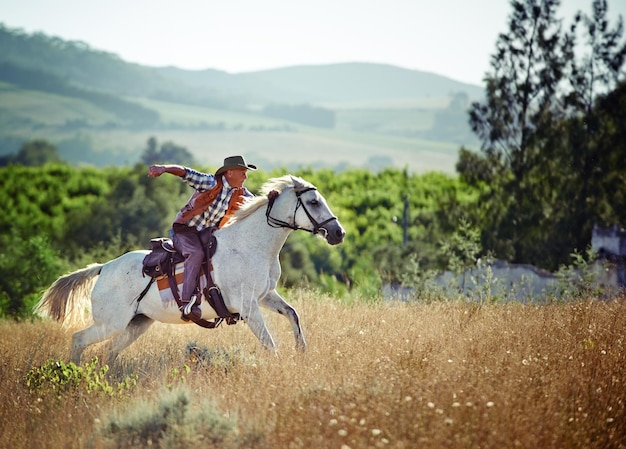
276 223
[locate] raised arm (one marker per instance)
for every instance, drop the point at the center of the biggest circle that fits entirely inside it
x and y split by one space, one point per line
158 170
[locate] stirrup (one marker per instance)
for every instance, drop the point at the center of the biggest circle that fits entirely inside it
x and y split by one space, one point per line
192 308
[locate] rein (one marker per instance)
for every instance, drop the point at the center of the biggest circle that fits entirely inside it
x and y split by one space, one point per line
277 223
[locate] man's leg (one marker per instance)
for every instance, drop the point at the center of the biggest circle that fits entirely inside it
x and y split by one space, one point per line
189 245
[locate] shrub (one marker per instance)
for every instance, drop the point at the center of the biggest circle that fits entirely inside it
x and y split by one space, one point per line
59 378
173 421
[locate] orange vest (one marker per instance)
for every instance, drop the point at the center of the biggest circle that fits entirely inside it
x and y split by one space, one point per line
200 201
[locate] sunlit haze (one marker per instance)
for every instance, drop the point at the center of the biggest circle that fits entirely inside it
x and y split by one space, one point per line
454 38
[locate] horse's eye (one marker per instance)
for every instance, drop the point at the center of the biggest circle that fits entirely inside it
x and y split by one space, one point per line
314 202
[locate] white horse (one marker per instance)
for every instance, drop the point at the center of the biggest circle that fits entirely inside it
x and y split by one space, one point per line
246 268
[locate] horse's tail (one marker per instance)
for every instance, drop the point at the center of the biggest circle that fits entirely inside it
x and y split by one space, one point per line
68 300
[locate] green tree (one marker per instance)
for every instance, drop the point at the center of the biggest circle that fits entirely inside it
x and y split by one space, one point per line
475 168
168 153
591 77
28 265
609 175
134 210
150 154
34 153
536 93
516 121
521 87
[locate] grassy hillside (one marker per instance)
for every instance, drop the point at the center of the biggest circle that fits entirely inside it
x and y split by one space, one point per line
211 134
98 108
179 115
385 121
36 109
397 375
278 142
285 149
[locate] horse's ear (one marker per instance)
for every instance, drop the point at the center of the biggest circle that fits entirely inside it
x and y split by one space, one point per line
297 183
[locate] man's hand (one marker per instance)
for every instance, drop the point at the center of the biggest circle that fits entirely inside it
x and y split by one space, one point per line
273 195
156 170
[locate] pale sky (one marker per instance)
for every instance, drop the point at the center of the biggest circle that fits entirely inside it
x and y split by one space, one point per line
454 38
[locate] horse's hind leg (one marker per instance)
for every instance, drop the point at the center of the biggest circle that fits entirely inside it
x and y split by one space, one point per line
137 326
275 302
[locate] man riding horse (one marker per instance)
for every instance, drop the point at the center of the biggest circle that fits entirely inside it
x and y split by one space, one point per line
216 198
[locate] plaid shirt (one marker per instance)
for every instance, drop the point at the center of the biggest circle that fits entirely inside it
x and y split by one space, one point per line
216 211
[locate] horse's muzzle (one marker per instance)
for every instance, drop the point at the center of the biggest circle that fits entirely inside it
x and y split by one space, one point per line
334 232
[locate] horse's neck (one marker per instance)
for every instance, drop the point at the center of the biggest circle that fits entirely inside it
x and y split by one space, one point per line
254 231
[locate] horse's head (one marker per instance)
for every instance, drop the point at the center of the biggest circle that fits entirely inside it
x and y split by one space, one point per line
314 211
305 209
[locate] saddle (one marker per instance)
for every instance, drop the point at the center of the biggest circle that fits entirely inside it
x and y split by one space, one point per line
161 261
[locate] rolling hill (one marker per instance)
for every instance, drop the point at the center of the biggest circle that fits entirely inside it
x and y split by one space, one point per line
352 83
374 115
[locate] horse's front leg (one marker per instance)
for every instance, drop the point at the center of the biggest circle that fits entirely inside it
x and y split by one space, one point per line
275 302
255 322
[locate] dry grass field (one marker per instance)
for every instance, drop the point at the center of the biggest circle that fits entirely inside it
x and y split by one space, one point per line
375 375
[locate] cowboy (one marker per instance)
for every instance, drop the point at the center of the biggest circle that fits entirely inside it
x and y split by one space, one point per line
216 198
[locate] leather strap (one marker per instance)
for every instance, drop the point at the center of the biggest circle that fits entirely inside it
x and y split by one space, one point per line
212 292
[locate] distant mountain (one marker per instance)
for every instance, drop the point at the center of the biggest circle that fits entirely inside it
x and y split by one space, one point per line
333 83
360 82
76 62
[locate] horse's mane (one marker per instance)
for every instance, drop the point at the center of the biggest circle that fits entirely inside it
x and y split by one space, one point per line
281 184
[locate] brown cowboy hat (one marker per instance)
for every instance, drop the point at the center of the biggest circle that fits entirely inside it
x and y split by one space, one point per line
234 162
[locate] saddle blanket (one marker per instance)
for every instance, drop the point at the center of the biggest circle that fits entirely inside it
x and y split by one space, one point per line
165 291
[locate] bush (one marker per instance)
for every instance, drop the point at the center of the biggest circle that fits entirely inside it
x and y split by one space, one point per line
27 266
58 378
173 421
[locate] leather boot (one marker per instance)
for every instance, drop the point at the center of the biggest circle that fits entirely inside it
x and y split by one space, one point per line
191 308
